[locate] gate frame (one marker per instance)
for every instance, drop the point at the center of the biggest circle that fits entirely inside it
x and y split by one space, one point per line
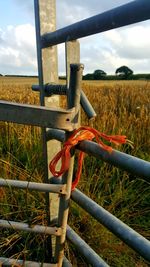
127 14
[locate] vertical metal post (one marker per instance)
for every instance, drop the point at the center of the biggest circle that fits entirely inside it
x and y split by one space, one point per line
74 101
45 20
72 56
50 73
72 51
49 56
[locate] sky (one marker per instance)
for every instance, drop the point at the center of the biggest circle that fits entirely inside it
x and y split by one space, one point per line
107 51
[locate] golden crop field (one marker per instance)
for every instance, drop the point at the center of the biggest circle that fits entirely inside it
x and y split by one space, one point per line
122 107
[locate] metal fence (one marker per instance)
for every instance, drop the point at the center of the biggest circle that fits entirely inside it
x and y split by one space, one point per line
60 123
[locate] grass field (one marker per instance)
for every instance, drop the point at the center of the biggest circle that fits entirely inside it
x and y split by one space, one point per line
122 107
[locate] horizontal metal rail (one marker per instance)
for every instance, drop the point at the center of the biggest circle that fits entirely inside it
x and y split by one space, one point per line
55 134
127 14
59 89
59 189
89 254
87 107
66 263
117 227
39 229
37 115
136 166
51 89
19 263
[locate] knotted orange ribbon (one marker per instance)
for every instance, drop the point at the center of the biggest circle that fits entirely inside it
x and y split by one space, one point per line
81 134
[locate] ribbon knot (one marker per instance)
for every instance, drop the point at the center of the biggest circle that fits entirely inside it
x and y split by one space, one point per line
81 134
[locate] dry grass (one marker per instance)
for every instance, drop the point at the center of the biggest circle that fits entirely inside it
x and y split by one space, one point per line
122 108
18 90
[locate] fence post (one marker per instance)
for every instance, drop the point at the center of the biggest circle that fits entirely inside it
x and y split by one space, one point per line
50 74
72 56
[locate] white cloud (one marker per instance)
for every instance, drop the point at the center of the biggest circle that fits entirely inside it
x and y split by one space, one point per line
133 42
18 50
26 6
70 11
125 46
110 50
107 51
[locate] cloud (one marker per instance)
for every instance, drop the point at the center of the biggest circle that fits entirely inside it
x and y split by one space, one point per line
17 50
108 51
125 46
131 46
134 42
26 6
70 11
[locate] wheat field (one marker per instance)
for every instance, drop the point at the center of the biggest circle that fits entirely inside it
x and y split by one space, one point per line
122 107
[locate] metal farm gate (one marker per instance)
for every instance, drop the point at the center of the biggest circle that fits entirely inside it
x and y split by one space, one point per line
58 123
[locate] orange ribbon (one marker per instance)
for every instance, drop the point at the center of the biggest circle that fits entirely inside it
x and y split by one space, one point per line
81 134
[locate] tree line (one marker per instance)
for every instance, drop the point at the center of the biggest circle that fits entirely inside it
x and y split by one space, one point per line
121 73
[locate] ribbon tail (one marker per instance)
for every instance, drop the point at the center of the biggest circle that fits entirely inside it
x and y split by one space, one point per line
78 173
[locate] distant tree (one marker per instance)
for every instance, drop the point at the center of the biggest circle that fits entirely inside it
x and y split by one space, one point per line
1 74
99 74
88 76
124 72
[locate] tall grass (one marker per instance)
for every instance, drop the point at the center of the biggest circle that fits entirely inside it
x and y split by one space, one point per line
122 108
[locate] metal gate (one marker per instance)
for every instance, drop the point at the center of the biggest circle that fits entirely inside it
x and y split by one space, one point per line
61 122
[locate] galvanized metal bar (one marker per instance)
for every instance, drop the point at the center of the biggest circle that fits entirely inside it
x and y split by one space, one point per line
19 263
37 115
39 51
49 56
66 263
87 107
89 254
72 56
38 229
50 75
52 89
74 92
41 63
134 240
63 214
55 134
138 167
133 12
41 187
74 100
59 89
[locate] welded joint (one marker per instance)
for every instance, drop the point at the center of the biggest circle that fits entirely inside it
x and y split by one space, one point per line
63 190
58 89
41 187
58 231
38 115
